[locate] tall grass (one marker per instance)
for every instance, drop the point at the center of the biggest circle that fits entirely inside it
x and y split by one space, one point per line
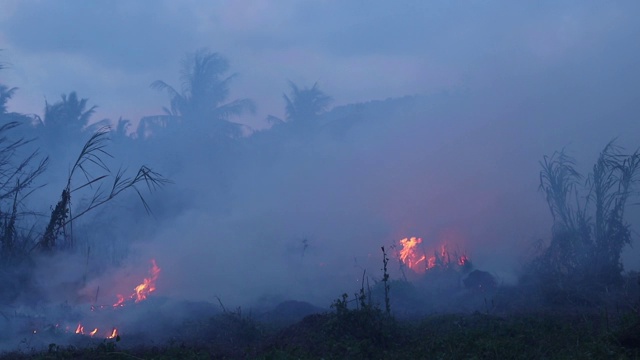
106 185
589 227
16 184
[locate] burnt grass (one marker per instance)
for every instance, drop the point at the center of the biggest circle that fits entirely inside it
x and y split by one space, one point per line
356 329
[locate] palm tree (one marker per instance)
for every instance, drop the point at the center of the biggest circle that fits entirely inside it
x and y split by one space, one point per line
65 122
6 94
305 104
201 101
70 115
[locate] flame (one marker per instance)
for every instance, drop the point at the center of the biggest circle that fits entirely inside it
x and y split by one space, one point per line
409 255
149 284
143 290
416 259
120 301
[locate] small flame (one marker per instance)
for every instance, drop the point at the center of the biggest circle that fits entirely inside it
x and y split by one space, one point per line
149 284
120 301
143 290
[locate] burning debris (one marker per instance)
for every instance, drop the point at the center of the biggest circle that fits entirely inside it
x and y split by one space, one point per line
101 314
415 257
143 290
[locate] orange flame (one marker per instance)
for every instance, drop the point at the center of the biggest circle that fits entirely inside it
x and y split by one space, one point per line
120 301
414 258
408 254
149 284
143 290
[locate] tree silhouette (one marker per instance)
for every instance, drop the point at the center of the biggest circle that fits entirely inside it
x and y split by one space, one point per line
202 99
6 94
305 104
64 123
5 116
69 115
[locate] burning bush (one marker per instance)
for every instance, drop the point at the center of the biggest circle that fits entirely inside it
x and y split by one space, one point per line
414 256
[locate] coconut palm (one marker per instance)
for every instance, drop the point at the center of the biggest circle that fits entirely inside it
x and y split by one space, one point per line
69 115
305 104
6 94
65 124
202 100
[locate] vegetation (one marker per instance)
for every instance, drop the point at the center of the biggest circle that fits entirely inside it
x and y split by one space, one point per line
359 329
305 104
201 103
61 217
589 229
538 318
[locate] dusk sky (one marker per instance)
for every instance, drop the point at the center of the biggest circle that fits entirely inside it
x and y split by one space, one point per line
111 51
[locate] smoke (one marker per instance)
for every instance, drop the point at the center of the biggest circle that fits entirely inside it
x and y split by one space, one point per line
299 211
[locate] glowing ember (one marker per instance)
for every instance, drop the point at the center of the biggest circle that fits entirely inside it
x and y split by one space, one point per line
80 329
93 332
114 333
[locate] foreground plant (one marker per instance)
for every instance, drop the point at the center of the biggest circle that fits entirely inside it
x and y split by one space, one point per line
586 244
90 158
16 184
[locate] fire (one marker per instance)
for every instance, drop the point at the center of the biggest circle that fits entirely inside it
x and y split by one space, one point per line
120 301
409 254
416 259
143 290
149 284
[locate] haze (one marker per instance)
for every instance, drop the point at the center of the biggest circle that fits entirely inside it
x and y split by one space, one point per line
440 114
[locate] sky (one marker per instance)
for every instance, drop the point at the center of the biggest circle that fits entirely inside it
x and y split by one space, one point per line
526 78
111 51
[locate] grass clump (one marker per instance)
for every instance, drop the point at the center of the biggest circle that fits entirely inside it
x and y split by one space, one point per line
589 227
